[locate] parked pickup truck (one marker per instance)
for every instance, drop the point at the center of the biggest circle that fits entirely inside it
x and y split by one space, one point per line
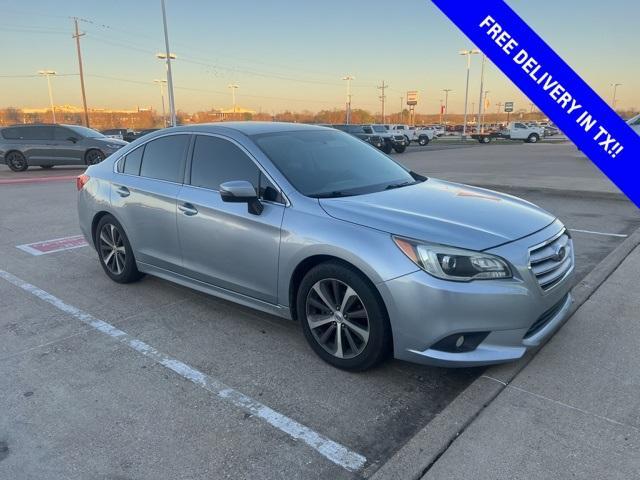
514 131
393 141
423 137
359 132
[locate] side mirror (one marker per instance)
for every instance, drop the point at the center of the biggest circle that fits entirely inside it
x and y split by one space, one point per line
72 139
241 191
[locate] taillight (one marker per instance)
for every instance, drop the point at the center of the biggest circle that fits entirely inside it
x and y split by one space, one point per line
81 181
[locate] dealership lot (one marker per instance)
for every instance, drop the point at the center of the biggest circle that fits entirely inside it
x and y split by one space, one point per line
79 402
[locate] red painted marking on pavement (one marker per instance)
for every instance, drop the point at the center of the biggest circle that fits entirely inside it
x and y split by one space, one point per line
54 245
9 181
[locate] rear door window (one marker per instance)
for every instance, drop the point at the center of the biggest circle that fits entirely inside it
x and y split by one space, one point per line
131 163
163 158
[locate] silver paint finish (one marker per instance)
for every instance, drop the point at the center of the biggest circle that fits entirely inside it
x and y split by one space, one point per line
250 259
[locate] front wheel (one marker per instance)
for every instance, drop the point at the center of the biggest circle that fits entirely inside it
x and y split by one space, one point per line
16 161
533 138
422 141
114 250
485 139
343 318
400 148
93 157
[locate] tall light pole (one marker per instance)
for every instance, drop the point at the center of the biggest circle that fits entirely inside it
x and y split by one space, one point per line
486 107
468 54
480 125
441 104
401 111
233 88
446 103
164 115
348 78
172 105
77 36
615 90
49 74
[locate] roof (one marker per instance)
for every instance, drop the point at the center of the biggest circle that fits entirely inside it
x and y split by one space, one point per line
249 128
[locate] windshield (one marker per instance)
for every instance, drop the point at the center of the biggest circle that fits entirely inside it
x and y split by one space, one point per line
331 164
380 128
84 131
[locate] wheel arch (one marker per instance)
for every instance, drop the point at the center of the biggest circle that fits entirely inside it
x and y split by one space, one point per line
12 150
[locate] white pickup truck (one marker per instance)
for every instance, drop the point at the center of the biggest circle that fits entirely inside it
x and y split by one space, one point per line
412 134
514 131
635 123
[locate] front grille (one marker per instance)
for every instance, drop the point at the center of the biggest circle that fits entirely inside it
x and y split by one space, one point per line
399 137
551 261
545 317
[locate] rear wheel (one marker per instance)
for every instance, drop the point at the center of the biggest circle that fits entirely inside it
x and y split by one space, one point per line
533 138
114 250
424 140
16 161
93 157
342 317
485 139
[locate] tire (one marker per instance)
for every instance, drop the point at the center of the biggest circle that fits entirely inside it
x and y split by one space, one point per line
485 140
109 232
408 140
46 167
16 161
533 138
365 333
387 148
93 157
422 141
400 148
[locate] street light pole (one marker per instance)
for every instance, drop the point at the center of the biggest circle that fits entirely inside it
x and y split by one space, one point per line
468 54
348 78
172 105
49 74
446 104
615 90
233 88
480 125
77 36
164 115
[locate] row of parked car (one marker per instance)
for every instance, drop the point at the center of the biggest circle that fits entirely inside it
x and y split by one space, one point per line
388 137
127 134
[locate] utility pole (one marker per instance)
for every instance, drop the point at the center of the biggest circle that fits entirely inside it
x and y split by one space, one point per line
615 90
441 112
382 97
401 112
77 36
446 103
480 126
172 104
498 107
233 88
164 114
468 54
348 78
486 107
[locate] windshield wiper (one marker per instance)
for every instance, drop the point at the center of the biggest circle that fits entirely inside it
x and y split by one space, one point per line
399 185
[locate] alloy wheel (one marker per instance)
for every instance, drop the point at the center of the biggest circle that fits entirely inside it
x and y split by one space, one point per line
94 157
337 318
112 249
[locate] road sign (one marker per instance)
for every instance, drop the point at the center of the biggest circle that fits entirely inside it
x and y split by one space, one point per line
412 97
508 107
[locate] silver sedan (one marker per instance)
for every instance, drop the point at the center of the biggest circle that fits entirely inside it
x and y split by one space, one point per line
312 224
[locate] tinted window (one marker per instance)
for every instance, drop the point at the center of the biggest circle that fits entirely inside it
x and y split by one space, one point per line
80 131
131 163
163 157
35 133
322 163
216 161
11 133
62 133
367 129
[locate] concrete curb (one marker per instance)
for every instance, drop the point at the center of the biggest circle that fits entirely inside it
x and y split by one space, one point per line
415 458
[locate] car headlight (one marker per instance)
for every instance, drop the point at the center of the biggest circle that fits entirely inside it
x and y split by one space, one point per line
114 146
449 263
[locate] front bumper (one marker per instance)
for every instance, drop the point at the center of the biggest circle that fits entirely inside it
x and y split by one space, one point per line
514 314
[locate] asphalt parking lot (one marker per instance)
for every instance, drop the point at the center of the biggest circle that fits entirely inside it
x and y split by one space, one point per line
229 392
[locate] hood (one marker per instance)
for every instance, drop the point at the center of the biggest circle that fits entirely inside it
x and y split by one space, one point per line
443 212
110 140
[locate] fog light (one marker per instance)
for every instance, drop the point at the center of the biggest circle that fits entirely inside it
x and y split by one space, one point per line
460 341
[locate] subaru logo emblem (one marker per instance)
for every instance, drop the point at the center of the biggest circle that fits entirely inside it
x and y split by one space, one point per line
560 253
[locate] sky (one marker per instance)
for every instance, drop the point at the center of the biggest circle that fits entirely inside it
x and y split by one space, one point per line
292 54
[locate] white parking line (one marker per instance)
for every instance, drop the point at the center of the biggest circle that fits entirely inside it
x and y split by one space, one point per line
619 235
335 452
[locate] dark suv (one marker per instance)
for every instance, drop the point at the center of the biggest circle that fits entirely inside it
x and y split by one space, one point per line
22 146
359 132
392 140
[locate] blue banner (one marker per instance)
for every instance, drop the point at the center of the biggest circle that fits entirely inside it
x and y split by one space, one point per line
553 86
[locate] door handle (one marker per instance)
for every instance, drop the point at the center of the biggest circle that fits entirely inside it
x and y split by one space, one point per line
123 191
188 209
